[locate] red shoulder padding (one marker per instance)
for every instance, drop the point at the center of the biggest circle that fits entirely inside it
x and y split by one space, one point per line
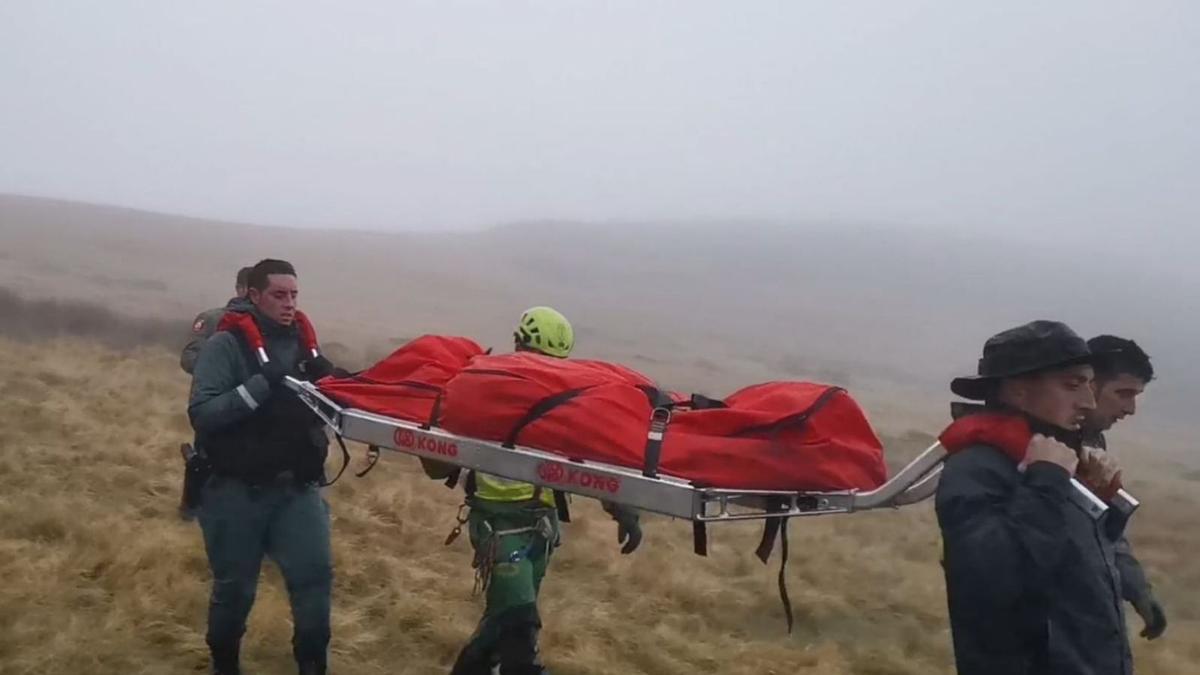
244 323
1005 432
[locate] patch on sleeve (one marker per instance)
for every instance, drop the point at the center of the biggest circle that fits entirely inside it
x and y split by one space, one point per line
198 327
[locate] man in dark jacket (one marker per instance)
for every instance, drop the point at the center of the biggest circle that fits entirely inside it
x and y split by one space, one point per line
1123 370
267 453
1030 574
203 327
205 323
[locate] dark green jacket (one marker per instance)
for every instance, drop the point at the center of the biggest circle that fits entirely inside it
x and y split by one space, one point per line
203 327
250 429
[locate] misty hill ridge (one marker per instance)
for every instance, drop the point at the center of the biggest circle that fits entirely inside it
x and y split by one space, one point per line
911 307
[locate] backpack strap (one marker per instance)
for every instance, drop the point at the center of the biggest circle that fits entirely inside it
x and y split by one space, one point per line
660 419
702 402
776 528
561 505
345 462
796 419
435 413
538 410
700 538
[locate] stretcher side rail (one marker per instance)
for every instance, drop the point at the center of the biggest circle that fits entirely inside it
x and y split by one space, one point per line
663 494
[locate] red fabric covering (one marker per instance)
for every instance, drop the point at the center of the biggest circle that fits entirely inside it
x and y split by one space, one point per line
774 436
759 441
406 383
606 422
765 440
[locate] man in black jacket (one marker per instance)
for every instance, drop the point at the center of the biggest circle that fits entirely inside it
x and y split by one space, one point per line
1123 370
203 327
267 453
206 322
1030 575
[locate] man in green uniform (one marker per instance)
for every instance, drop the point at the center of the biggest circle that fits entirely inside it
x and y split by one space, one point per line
514 529
267 452
203 327
206 322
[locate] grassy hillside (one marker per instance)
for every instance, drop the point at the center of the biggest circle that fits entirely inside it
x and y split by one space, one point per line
102 577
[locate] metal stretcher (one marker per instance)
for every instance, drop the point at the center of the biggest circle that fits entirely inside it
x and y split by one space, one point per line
661 494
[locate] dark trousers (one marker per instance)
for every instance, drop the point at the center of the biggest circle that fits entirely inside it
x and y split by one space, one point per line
290 524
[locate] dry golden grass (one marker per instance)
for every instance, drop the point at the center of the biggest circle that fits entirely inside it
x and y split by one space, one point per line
100 576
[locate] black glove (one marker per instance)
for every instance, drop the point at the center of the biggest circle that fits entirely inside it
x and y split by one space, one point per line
629 530
1154 616
274 371
317 368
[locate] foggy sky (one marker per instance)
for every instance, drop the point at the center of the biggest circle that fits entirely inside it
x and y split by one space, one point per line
1063 119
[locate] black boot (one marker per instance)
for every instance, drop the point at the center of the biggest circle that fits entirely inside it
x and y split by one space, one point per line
225 659
470 663
525 669
312 668
519 654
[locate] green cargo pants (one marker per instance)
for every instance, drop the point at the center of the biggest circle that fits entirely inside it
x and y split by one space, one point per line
513 543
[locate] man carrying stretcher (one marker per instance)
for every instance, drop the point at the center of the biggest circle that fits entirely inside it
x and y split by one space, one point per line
1031 577
514 528
1123 370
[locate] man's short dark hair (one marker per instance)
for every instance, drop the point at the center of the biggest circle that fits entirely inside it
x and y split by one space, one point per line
243 277
1119 356
260 274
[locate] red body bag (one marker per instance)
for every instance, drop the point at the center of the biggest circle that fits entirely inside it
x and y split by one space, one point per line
408 383
775 436
581 409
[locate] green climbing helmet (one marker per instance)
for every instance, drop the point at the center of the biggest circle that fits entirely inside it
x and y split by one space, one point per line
544 330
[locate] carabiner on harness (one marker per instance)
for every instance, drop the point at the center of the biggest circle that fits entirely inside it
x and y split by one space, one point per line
461 519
